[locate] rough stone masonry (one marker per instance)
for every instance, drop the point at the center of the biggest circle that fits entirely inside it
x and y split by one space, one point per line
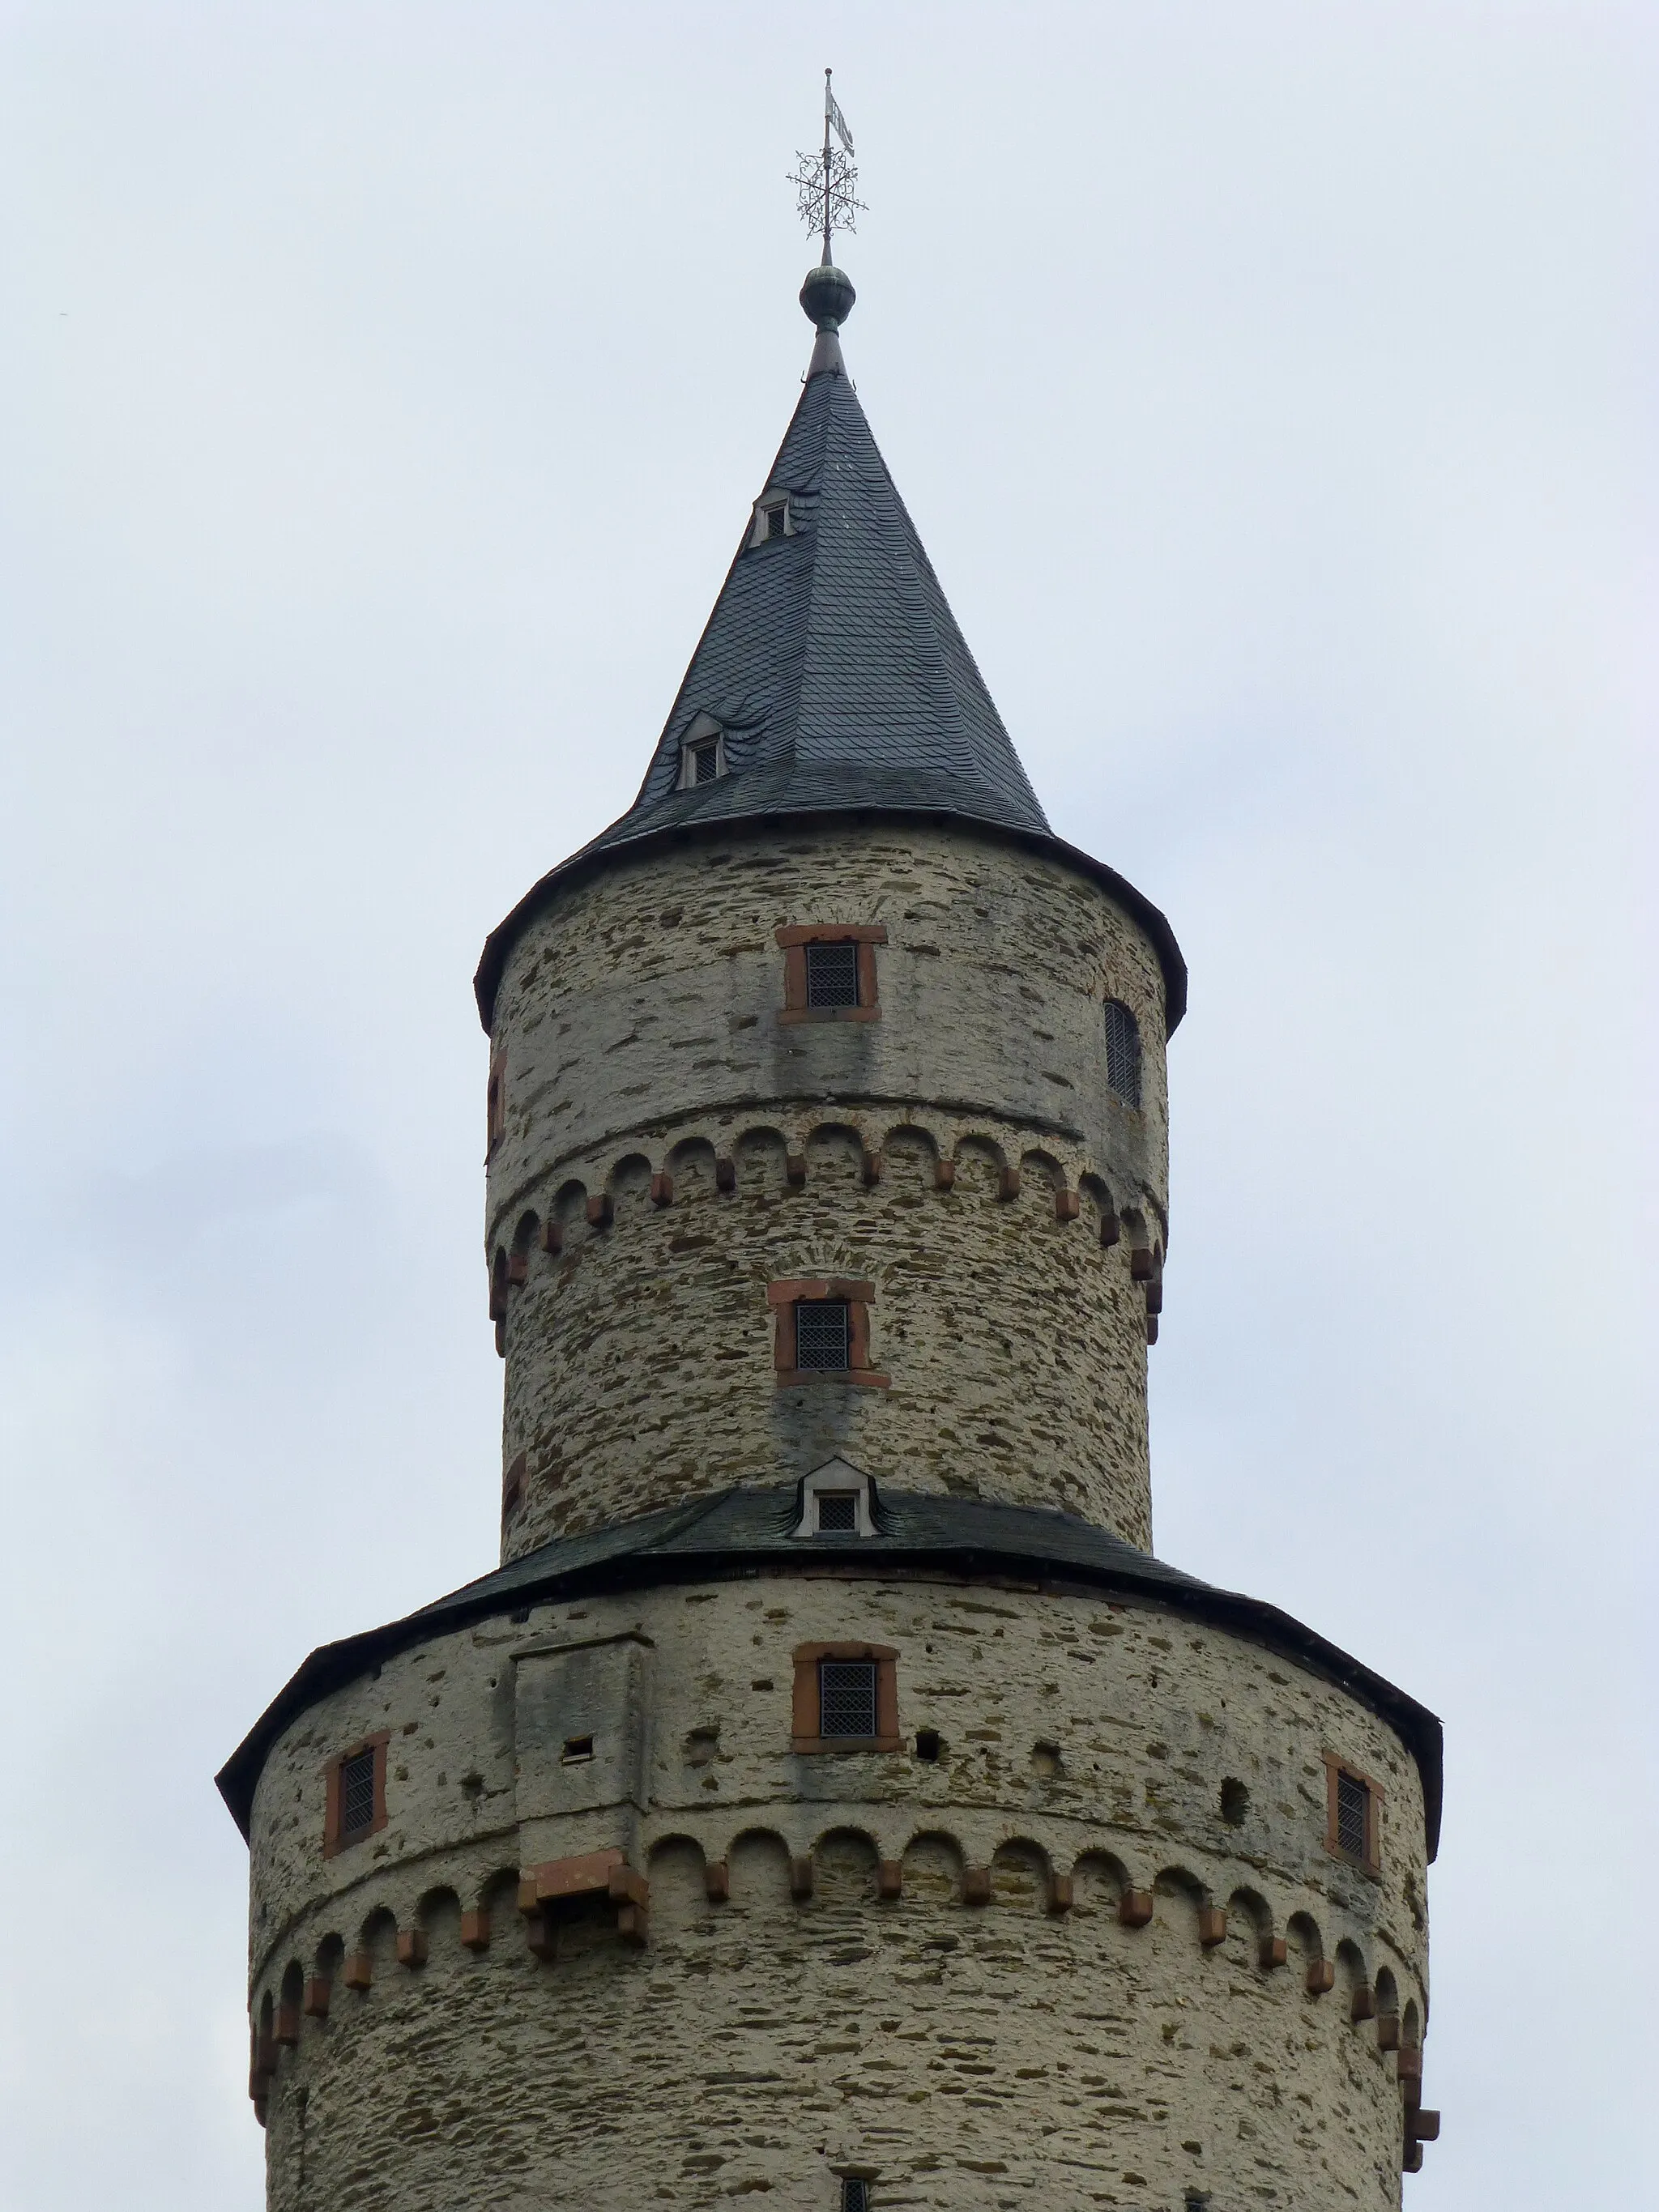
830 1798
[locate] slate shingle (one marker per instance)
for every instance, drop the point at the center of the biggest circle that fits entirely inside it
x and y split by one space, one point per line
835 670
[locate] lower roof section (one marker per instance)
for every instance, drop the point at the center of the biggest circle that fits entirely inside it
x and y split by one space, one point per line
746 1531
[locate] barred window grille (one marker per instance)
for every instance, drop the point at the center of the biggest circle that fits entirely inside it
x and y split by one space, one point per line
356 1793
1353 1805
776 518
705 763
854 2194
1123 1051
838 1512
822 1335
832 975
846 1696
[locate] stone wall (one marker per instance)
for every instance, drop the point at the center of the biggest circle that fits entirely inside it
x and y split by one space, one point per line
638 1035
640 1361
1032 2049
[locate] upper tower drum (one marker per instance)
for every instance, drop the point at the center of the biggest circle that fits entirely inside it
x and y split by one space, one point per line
827 1103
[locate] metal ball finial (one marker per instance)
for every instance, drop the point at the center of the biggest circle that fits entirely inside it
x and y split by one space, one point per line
827 297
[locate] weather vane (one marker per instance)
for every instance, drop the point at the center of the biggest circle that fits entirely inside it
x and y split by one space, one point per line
826 180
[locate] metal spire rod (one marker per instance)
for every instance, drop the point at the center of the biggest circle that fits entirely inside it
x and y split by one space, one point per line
825 180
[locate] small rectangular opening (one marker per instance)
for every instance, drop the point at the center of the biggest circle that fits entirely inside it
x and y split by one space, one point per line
1124 1053
832 975
927 1745
838 1512
823 1336
847 1698
578 1749
356 1794
775 518
705 763
1353 1805
854 2194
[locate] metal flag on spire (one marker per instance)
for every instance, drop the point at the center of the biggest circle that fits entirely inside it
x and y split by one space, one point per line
826 181
832 114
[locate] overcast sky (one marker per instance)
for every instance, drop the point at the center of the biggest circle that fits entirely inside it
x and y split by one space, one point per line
382 388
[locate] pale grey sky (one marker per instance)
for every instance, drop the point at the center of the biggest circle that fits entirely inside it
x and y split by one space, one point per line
381 390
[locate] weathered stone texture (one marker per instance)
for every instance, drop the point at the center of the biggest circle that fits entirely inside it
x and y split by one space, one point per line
638 1031
1005 2055
640 1359
655 987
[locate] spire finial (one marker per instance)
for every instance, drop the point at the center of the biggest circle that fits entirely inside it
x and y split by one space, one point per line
825 180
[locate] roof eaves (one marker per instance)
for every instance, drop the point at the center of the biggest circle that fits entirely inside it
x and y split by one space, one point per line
709 1538
609 846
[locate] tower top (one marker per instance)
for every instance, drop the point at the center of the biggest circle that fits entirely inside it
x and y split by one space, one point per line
831 678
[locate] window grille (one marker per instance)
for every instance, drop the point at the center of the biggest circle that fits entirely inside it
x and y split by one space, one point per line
838 1512
705 763
854 2194
846 1696
823 1335
1123 1051
356 1793
1353 1805
832 975
775 520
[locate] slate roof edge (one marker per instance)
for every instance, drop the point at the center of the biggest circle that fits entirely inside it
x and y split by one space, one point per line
605 848
636 1555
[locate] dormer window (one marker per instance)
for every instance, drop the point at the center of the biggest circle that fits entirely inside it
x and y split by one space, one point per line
773 518
702 754
835 1501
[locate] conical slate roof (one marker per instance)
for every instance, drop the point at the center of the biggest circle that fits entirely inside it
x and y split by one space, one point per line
833 673
831 662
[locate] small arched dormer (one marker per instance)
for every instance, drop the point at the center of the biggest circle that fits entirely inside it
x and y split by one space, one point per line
702 754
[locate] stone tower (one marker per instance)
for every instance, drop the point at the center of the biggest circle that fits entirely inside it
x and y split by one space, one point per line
831 1797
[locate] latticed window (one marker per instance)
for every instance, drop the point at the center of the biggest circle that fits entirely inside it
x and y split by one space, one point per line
356 1793
822 1335
846 1696
1353 1808
776 519
838 1513
832 975
1124 1053
854 2194
705 763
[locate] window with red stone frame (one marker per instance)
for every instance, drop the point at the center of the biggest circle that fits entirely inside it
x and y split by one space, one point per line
863 940
805 1732
346 1799
1353 1808
785 1296
496 1106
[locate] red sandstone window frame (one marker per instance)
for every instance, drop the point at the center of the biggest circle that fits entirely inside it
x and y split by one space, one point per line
333 1841
794 939
1372 1862
805 1711
858 1298
494 1106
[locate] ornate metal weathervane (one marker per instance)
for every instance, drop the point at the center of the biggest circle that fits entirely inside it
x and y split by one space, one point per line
826 180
